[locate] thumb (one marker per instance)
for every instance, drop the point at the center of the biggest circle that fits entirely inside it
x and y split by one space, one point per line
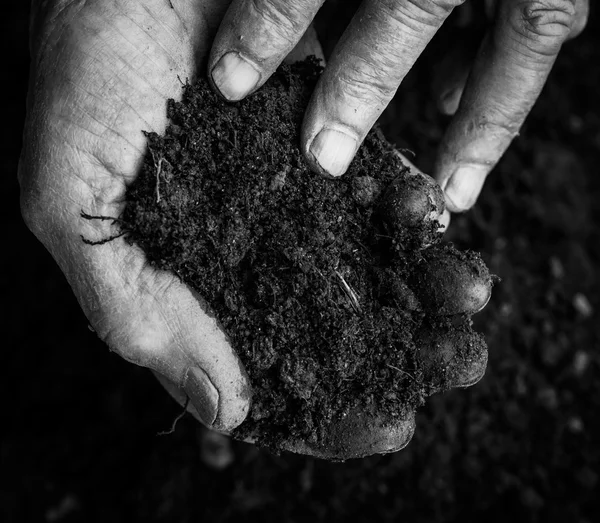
148 317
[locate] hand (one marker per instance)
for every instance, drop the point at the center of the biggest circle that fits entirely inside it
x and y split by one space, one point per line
102 73
382 43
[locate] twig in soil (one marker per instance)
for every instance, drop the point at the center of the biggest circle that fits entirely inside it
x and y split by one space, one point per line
158 166
179 416
401 371
349 292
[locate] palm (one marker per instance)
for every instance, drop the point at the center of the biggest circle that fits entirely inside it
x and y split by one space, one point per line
118 65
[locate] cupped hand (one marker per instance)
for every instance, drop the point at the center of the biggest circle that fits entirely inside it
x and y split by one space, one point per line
101 73
381 44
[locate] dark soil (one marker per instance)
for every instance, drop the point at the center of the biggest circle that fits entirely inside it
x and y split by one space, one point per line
79 439
308 276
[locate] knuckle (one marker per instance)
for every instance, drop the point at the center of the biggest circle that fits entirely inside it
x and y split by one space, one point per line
428 13
544 24
502 126
448 5
364 82
286 18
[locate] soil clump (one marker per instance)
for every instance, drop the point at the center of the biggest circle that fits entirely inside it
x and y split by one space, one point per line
336 294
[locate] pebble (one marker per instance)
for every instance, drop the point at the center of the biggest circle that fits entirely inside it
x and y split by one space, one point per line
581 362
582 305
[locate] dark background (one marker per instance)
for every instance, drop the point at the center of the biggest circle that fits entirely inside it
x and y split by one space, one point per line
79 440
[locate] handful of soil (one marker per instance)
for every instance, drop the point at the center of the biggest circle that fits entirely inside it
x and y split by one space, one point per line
333 292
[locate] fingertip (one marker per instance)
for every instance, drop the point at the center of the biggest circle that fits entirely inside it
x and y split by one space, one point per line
359 434
463 187
470 370
452 357
331 151
234 76
451 282
411 200
215 411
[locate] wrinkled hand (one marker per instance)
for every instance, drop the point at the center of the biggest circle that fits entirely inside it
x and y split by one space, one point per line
382 43
101 73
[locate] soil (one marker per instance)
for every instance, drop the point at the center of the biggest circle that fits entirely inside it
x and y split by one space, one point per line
323 286
79 441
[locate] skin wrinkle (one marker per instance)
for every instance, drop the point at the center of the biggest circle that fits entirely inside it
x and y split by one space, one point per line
410 9
161 20
269 40
533 60
175 63
78 86
39 42
360 81
534 21
286 18
111 53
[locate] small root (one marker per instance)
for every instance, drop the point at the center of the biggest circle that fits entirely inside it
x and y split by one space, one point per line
349 292
401 371
100 217
105 240
158 166
176 420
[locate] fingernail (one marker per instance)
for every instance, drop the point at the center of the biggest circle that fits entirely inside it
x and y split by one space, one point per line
203 395
464 187
235 76
333 150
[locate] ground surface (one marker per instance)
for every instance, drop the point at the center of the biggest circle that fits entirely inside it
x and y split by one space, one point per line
80 443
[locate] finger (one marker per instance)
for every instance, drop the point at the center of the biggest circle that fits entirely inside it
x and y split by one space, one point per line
357 435
452 357
253 39
507 77
150 318
374 54
411 200
451 282
450 76
582 13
